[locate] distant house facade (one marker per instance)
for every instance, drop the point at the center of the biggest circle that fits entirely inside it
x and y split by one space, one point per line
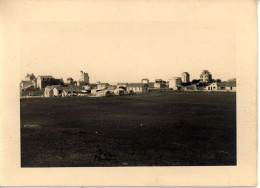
175 83
231 85
185 77
137 88
43 81
29 83
64 91
205 76
212 87
215 86
122 86
159 83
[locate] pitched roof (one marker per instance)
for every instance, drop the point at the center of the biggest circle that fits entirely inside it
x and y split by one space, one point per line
122 84
136 85
231 83
26 83
222 84
45 76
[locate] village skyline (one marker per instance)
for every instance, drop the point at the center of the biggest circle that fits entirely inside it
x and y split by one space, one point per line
77 77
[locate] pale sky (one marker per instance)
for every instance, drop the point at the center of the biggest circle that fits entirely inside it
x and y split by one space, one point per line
127 51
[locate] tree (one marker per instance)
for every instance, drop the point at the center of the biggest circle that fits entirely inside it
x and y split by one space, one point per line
194 81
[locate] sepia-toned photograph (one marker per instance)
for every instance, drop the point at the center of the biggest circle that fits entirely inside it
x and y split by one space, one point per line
128 94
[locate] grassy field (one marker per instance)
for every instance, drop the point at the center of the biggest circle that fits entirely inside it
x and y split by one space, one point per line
155 129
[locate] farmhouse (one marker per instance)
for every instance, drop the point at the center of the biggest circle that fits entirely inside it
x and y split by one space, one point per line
64 91
57 91
44 80
175 83
122 85
231 85
27 85
137 88
53 91
119 91
212 87
159 83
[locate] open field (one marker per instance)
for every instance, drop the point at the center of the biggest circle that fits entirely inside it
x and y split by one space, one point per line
155 129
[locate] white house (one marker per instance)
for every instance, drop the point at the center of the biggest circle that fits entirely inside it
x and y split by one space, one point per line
175 83
212 87
137 88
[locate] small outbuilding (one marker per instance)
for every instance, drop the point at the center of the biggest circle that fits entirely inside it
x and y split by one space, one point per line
231 85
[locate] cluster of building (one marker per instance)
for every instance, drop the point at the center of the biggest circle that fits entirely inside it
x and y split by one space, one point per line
56 87
204 83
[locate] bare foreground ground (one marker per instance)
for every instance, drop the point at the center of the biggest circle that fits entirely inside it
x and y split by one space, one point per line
155 129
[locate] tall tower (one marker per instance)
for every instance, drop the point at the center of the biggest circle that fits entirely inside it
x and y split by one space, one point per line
185 77
84 77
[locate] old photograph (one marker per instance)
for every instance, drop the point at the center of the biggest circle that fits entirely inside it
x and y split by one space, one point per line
128 94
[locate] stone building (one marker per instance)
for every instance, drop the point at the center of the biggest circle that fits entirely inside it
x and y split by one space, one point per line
137 88
175 83
185 77
205 76
45 80
29 83
84 78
